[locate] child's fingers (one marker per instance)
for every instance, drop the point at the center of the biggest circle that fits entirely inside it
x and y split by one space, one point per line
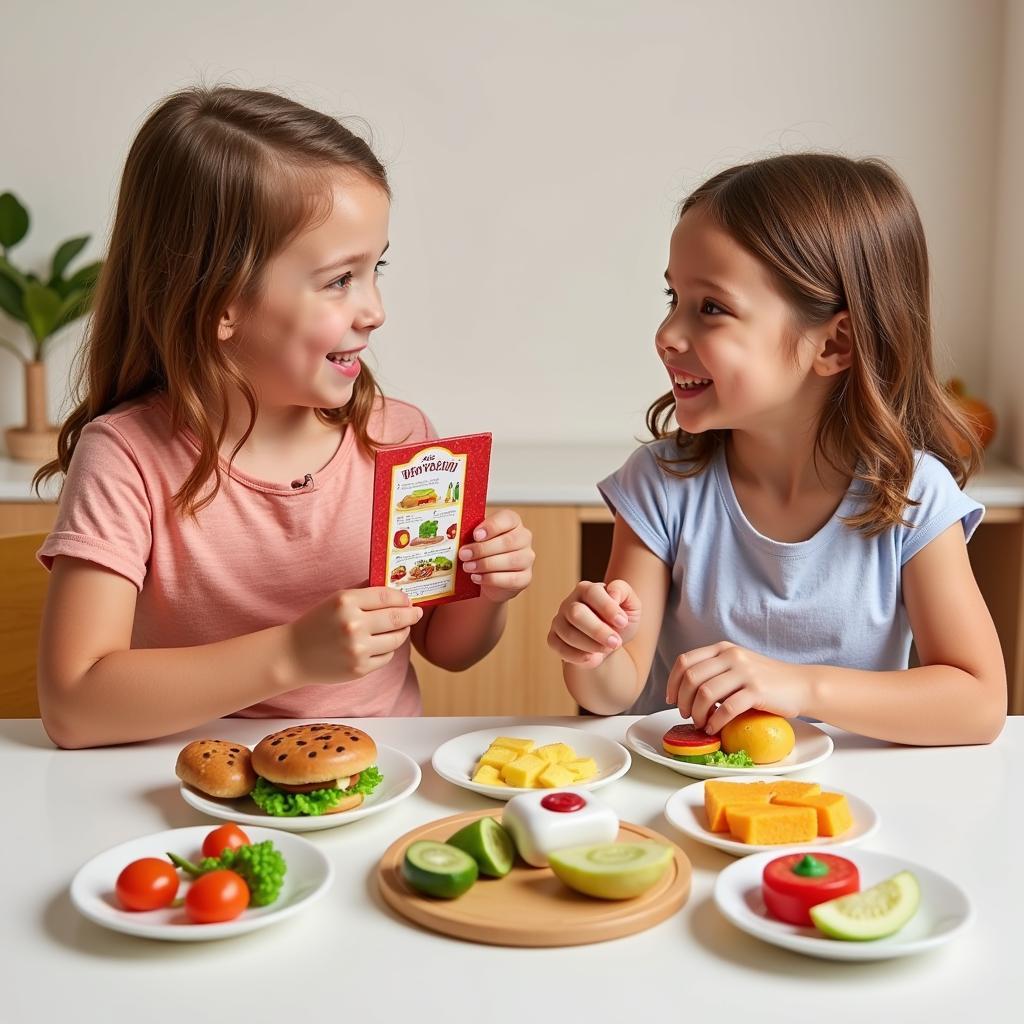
372 598
501 521
624 595
583 615
570 654
606 607
515 540
513 561
388 620
707 693
516 581
740 701
682 669
581 641
386 643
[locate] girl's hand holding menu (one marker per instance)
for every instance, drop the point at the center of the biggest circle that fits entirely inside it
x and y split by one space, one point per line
501 559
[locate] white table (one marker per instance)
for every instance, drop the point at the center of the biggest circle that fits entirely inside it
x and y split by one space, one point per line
957 810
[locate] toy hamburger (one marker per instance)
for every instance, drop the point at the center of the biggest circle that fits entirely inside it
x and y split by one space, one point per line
687 740
314 769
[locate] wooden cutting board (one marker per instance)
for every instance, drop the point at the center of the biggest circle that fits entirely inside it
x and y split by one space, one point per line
530 906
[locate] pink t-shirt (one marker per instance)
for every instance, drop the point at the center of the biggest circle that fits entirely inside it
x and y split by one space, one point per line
259 555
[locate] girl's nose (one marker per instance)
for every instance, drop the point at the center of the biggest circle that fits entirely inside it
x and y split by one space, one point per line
372 315
669 336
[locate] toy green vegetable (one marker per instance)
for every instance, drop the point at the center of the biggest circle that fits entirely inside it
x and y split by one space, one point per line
260 865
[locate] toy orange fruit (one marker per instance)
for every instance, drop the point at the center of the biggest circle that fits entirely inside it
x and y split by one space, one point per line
978 414
767 738
689 741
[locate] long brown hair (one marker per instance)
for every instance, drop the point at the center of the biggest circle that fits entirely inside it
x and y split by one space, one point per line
217 182
840 234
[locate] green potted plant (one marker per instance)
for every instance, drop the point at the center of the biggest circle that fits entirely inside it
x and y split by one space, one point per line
44 308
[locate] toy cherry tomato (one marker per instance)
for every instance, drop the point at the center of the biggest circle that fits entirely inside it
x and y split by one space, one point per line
227 837
147 884
218 896
791 885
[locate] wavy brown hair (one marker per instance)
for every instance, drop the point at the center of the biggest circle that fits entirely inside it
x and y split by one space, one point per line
839 234
216 183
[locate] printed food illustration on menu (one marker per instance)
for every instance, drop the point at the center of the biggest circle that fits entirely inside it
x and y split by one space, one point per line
428 498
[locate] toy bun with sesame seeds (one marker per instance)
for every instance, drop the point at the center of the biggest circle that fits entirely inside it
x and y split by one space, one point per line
320 768
218 768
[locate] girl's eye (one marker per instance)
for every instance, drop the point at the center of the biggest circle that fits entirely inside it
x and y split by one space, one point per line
379 269
671 296
342 282
709 308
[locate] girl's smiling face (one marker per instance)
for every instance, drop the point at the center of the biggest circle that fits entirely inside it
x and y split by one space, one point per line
299 344
727 341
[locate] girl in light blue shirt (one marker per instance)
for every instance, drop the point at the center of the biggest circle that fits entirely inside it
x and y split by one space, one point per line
799 517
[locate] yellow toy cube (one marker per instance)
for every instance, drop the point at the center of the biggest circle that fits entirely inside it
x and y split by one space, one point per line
556 753
523 771
498 757
582 769
555 776
488 775
511 743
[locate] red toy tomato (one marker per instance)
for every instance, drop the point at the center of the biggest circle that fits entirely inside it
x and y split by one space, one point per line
227 837
452 530
789 895
402 538
147 884
218 896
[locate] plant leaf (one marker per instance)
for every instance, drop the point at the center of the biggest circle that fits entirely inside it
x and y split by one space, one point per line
8 269
74 305
42 307
10 299
13 220
86 276
65 253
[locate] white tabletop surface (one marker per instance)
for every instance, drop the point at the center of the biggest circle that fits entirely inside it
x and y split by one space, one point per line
561 474
956 810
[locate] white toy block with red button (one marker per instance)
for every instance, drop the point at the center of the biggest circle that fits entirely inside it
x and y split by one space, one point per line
554 820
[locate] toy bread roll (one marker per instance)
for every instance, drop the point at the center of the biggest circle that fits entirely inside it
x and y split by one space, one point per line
217 767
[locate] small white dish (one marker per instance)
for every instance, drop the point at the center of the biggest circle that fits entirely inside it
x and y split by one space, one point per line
644 737
401 778
308 875
685 810
456 759
945 911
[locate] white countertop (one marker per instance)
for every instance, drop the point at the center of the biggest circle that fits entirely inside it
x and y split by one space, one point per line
565 474
349 957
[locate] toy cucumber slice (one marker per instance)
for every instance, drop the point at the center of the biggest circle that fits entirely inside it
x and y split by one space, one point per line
612 871
872 914
437 869
488 844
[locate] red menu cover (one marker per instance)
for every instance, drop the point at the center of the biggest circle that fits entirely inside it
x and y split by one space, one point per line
428 498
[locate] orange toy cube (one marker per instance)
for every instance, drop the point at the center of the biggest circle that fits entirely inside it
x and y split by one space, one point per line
719 795
832 809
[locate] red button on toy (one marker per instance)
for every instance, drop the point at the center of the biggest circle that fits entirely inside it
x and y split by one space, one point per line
563 802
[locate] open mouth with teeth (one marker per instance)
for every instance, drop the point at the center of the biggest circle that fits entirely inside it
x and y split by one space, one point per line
345 362
686 385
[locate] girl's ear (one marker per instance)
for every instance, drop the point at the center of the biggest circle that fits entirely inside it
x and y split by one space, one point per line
835 352
227 325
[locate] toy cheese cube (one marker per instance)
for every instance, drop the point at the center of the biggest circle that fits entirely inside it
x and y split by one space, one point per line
555 776
523 771
512 743
556 753
543 822
582 769
488 775
498 757
834 816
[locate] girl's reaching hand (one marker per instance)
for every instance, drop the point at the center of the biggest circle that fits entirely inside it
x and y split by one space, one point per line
351 634
712 685
594 620
501 559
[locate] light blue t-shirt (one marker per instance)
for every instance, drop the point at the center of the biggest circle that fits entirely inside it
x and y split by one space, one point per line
835 599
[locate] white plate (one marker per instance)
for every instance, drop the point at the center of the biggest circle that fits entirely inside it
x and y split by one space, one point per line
685 810
944 913
644 736
308 875
456 759
401 777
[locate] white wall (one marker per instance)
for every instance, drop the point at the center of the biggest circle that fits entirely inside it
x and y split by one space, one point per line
1007 355
537 151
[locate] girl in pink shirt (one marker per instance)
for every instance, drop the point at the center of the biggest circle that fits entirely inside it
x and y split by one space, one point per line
212 541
